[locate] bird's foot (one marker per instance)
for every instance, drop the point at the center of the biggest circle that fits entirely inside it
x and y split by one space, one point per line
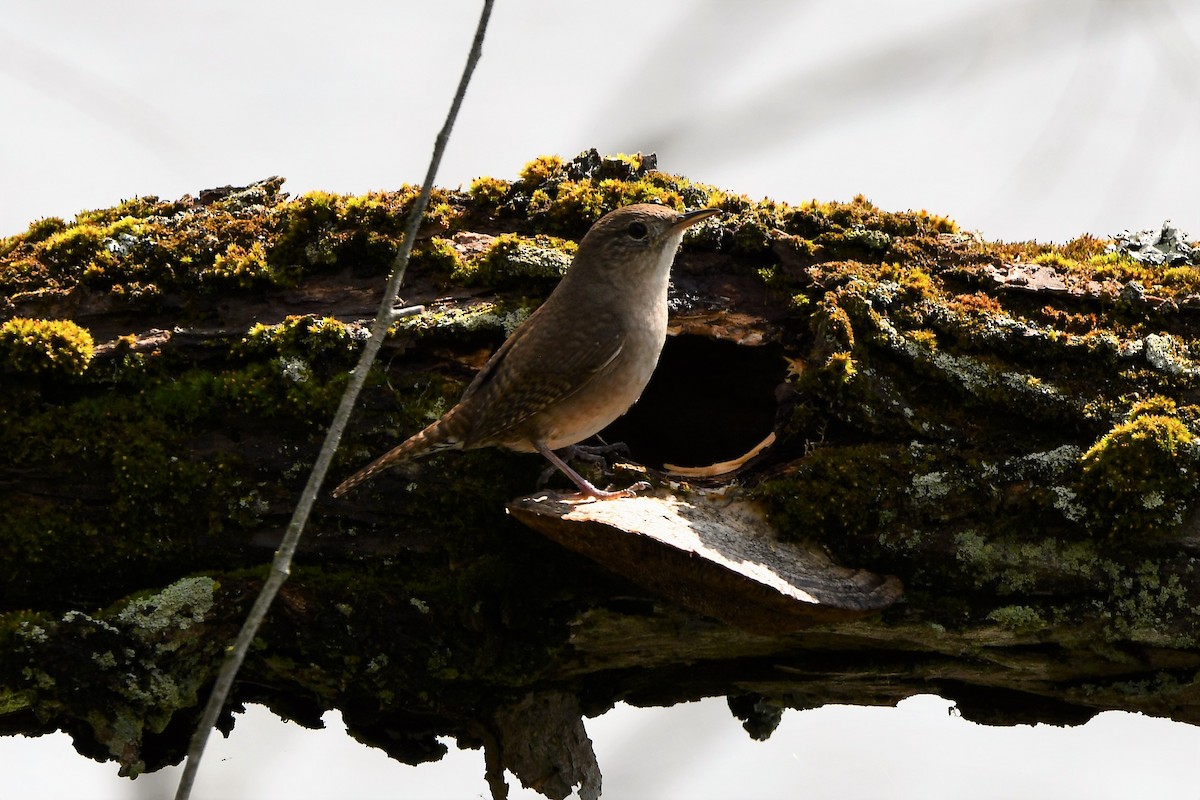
588 491
586 488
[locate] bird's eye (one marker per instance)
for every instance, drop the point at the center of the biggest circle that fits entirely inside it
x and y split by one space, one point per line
637 230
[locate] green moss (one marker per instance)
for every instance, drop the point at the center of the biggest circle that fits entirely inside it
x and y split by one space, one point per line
839 369
1057 260
1019 619
1115 265
752 232
636 161
1141 476
1181 280
318 231
43 229
512 259
437 255
832 326
134 439
1153 406
934 222
577 204
245 267
45 347
835 492
72 247
916 282
542 170
490 193
923 339
567 198
308 337
862 221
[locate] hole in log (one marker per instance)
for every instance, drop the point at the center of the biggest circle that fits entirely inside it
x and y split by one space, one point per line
709 401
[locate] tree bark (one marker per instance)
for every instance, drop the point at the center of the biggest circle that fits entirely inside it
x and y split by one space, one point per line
994 444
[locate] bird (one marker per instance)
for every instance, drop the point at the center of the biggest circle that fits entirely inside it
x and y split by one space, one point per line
579 361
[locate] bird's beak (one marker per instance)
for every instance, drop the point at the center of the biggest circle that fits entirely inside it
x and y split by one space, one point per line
692 217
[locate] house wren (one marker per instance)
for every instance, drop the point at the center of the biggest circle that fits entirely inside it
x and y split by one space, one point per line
579 361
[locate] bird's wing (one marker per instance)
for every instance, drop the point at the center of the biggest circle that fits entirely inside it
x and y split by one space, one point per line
534 369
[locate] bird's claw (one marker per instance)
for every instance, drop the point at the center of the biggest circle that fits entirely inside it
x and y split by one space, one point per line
591 493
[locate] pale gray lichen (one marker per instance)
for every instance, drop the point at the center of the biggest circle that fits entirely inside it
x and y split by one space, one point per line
294 369
1163 354
119 245
929 487
970 373
883 294
1165 245
254 503
1065 502
1153 500
869 238
1047 463
539 262
1054 463
78 616
180 605
479 316
33 632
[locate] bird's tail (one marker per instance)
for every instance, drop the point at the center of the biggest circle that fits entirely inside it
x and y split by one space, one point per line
438 436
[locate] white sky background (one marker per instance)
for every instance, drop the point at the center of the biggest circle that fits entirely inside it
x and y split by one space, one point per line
1023 119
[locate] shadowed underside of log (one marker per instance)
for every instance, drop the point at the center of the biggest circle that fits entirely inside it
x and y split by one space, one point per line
1008 431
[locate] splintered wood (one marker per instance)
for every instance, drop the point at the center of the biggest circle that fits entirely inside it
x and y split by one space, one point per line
720 558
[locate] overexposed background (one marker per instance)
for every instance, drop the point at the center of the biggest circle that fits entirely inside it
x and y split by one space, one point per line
1023 119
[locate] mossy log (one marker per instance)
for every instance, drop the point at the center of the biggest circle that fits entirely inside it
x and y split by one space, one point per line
1009 431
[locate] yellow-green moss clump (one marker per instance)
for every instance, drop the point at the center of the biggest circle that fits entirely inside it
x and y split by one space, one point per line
489 192
511 258
251 238
307 336
45 347
568 198
1142 475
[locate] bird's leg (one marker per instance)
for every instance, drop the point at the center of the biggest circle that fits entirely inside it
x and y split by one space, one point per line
591 454
585 486
588 452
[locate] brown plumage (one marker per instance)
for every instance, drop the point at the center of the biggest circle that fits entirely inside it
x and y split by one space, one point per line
579 361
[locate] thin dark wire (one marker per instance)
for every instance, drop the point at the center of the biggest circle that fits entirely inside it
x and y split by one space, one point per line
281 565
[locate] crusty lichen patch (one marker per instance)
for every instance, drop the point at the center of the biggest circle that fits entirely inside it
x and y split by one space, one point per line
177 607
124 673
